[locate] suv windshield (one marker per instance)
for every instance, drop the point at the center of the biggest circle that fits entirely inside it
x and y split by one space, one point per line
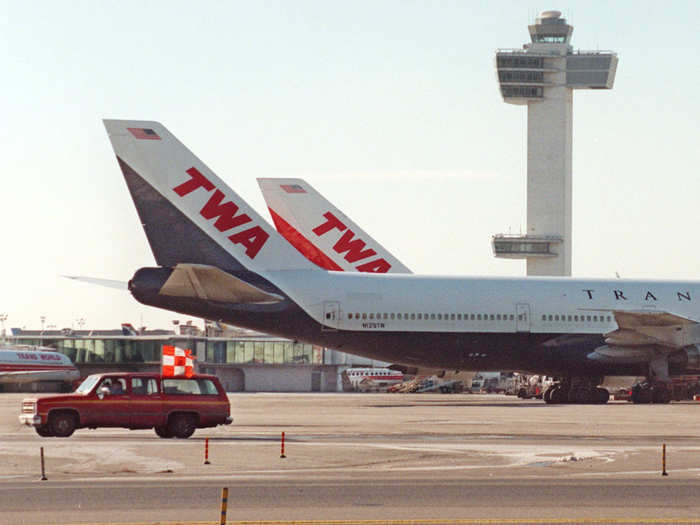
87 385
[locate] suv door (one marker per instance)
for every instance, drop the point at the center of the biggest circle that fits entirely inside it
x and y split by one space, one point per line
146 403
113 409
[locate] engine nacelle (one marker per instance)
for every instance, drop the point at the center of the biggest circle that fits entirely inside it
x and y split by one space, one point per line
686 360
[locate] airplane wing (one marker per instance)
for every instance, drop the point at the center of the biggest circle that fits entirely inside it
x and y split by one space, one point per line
660 329
647 337
323 233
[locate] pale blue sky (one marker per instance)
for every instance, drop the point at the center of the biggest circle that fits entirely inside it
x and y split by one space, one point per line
390 108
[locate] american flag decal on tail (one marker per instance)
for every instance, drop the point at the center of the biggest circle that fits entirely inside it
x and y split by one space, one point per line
177 362
144 133
292 188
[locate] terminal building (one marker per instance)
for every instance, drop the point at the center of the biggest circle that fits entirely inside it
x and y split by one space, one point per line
543 76
244 361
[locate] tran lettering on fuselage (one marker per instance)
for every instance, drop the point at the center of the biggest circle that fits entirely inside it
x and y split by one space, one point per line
621 295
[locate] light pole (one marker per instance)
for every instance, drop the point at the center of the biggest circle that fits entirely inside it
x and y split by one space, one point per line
3 318
41 335
81 322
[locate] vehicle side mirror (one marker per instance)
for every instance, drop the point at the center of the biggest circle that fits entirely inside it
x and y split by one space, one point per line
102 392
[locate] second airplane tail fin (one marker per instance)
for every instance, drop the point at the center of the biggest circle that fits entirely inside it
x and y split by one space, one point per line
323 233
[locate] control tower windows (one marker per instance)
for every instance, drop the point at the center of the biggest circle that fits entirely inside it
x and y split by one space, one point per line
521 91
521 76
519 62
549 39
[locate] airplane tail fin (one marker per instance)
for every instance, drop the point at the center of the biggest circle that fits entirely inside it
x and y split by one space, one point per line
189 214
323 233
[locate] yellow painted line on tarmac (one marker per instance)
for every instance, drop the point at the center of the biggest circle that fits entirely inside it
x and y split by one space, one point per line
456 521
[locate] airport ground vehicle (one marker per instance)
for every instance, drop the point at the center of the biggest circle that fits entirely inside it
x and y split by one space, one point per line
534 386
173 406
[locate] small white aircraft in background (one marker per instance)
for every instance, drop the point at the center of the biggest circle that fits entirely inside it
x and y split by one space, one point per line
24 364
372 377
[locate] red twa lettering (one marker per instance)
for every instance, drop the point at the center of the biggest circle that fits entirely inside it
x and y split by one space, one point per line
353 247
331 222
253 239
197 181
225 213
378 266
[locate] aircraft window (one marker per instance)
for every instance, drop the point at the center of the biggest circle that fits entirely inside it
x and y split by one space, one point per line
386 316
609 319
498 317
413 316
478 317
471 316
576 318
349 316
439 316
588 318
550 317
452 317
595 318
492 317
420 316
556 317
364 315
371 316
432 316
398 316
459 317
405 316
392 316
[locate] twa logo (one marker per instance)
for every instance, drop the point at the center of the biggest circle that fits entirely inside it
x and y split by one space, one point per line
225 214
354 249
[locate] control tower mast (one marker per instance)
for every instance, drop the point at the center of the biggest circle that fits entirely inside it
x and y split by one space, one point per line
542 75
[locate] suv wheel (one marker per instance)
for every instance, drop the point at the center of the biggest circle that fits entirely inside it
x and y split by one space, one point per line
62 424
44 431
163 432
182 425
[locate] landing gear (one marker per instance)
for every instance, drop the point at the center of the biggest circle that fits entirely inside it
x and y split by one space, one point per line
556 395
648 392
576 391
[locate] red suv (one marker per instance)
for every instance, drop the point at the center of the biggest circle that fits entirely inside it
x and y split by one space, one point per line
173 406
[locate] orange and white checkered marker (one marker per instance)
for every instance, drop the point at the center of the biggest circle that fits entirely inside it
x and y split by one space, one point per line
177 362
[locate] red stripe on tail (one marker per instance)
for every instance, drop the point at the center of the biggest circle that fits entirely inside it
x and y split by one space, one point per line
301 243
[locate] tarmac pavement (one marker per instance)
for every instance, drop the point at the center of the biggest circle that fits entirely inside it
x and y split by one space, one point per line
368 457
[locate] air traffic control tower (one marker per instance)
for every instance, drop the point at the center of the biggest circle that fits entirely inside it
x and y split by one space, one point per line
542 76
